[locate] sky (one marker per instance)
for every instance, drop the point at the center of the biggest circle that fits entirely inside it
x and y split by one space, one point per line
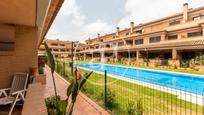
79 20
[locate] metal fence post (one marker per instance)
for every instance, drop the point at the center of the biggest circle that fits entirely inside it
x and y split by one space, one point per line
57 66
64 69
72 58
105 91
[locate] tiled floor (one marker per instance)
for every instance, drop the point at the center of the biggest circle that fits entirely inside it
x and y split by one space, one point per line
83 106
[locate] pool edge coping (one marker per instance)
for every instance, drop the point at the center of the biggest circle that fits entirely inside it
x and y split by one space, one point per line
164 71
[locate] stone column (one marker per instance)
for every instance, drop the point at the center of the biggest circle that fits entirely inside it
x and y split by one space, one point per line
133 42
174 54
84 56
116 55
163 36
92 55
179 36
102 53
137 55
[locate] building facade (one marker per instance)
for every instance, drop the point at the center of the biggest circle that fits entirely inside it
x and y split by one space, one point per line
23 26
174 38
61 49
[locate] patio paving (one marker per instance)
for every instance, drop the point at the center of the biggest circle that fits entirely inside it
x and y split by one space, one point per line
83 105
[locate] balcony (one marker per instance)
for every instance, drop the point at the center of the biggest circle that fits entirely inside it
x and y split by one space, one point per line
38 92
184 25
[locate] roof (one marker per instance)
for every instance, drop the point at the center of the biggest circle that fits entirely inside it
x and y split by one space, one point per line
53 10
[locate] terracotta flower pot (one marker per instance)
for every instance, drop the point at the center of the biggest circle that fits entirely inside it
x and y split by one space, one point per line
34 71
41 78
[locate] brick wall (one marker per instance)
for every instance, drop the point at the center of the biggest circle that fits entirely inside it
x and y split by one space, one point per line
22 58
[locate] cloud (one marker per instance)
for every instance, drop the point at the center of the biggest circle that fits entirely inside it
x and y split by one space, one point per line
71 9
149 10
99 26
72 24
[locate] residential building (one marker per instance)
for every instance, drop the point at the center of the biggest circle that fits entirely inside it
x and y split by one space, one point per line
61 48
23 26
175 38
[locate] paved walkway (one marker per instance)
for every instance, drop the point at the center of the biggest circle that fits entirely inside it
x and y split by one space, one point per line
83 105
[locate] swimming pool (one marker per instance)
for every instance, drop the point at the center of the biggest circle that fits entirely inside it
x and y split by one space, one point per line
185 82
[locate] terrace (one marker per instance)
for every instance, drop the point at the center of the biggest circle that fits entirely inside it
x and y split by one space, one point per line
23 26
83 104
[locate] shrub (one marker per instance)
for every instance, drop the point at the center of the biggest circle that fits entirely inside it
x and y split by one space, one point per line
157 64
133 109
52 105
40 69
139 108
111 102
185 64
175 66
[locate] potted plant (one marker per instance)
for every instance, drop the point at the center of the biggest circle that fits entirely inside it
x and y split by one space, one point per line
41 77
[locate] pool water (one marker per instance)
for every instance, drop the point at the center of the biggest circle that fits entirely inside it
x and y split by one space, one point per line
185 82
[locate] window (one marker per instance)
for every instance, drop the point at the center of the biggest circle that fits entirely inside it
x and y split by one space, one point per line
195 34
120 43
101 40
154 39
56 50
62 45
174 22
198 17
139 30
107 45
139 41
129 42
172 37
62 50
53 44
127 34
97 47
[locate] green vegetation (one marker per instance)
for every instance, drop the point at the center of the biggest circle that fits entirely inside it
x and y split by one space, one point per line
121 93
56 105
111 100
152 101
40 69
135 109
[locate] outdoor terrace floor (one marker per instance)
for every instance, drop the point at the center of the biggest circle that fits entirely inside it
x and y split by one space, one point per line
83 105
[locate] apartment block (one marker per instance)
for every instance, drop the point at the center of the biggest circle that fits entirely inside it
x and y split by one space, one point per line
61 48
177 37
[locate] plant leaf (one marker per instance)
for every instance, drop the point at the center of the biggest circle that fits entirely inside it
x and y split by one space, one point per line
62 107
50 57
69 89
75 91
70 110
84 78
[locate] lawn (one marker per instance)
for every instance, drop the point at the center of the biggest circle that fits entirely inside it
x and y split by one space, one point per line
124 95
153 101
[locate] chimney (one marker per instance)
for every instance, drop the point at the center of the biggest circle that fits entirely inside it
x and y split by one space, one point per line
185 12
117 33
131 27
98 35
